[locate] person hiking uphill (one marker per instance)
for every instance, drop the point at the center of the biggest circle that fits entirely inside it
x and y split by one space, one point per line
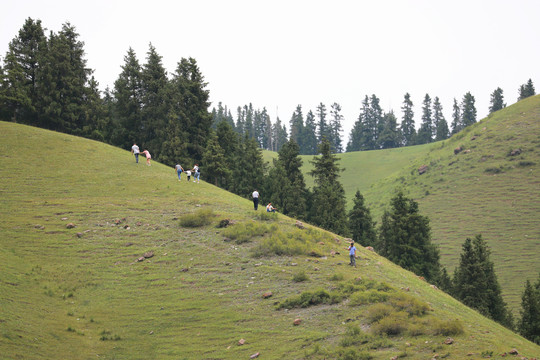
255 196
352 254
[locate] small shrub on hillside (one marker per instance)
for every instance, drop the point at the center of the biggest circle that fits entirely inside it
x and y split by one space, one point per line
300 277
336 277
394 324
377 312
352 354
309 298
242 233
446 327
287 243
526 163
354 336
410 304
368 297
493 170
199 218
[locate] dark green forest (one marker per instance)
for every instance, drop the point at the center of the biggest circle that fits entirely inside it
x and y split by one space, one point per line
45 82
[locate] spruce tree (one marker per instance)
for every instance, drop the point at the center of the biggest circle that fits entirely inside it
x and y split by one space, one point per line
296 126
405 238
390 135
457 123
526 90
216 170
468 110
441 126
322 124
475 283
529 324
496 101
249 168
309 138
425 133
407 123
361 223
328 206
286 188
336 128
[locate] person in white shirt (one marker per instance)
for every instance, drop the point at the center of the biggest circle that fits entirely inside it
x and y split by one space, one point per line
270 208
255 196
135 151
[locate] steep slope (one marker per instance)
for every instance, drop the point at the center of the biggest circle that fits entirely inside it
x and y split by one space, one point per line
128 281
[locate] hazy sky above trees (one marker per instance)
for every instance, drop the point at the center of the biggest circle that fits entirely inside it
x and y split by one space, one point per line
278 54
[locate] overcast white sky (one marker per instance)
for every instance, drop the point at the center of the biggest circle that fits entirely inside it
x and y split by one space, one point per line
278 54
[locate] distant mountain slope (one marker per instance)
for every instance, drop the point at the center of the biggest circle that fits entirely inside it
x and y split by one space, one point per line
481 190
102 258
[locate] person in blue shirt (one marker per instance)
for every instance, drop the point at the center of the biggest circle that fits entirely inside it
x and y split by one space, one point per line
352 254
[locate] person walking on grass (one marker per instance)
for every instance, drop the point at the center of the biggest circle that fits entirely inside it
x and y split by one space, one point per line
179 170
196 173
188 174
352 254
148 157
135 151
255 196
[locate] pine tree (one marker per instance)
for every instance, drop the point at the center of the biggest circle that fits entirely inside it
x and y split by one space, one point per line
190 106
407 123
390 135
322 124
328 207
529 324
20 91
216 170
286 187
425 133
475 283
249 168
155 103
309 138
128 94
279 135
497 100
441 126
355 137
405 238
361 223
336 128
457 123
296 126
526 90
468 110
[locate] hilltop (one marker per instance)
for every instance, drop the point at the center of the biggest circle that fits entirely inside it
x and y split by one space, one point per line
482 189
103 258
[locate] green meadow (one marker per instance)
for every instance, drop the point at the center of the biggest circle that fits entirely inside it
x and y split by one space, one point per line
103 258
481 190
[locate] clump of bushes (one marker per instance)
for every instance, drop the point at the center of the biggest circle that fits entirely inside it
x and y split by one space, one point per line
300 277
242 233
311 298
446 327
280 243
199 218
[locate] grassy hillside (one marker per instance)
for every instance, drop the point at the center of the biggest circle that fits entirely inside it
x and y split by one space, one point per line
136 279
481 190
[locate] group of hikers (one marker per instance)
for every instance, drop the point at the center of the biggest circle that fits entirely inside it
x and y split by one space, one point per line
255 195
178 168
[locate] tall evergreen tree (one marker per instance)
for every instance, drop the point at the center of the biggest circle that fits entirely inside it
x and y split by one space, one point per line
156 104
405 238
249 168
426 131
475 282
355 137
529 324
407 123
468 110
336 128
457 123
279 135
190 106
128 94
496 101
286 187
441 126
361 223
20 91
296 126
526 90
390 135
328 207
322 124
216 170
309 138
